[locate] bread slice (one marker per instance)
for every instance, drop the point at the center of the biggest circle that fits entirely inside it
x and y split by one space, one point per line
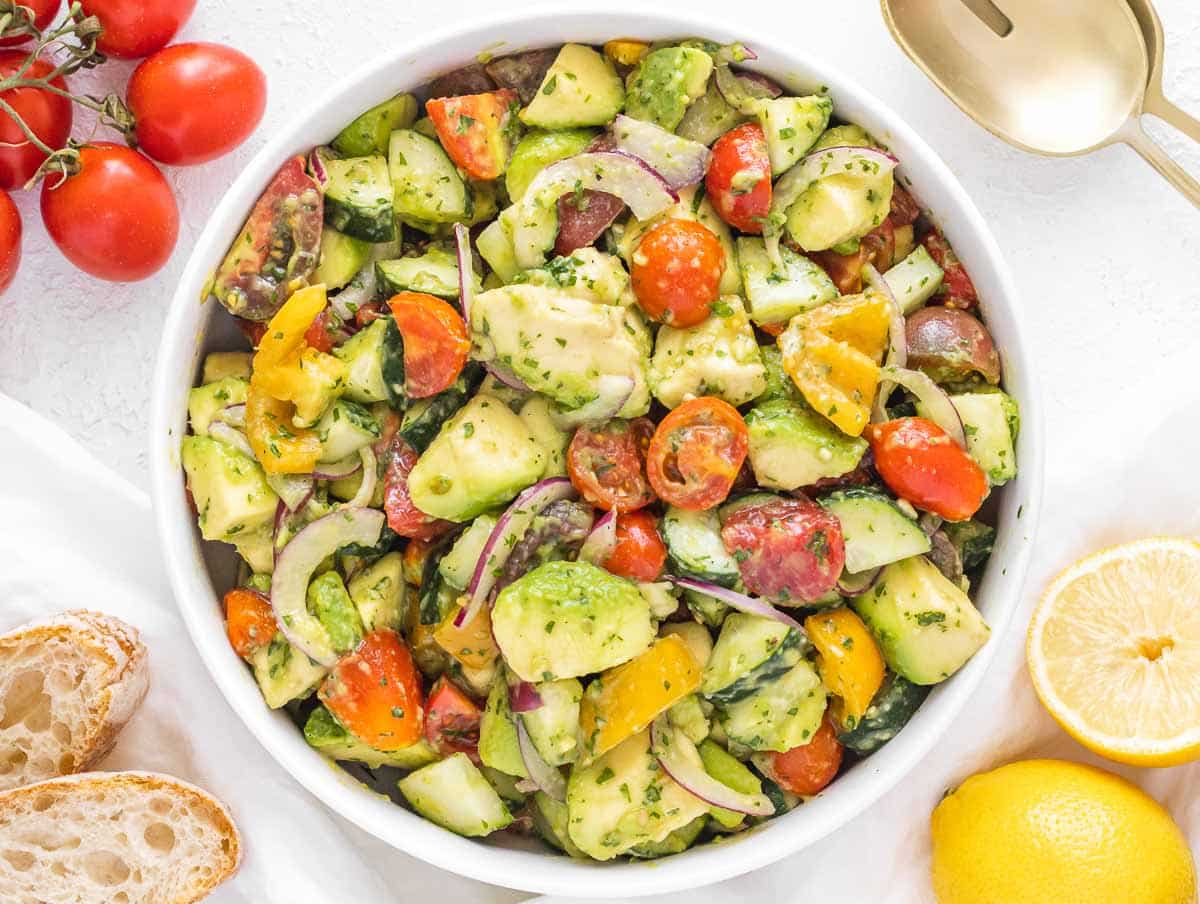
116 838
68 684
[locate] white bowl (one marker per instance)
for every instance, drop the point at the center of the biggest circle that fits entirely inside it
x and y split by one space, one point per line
198 571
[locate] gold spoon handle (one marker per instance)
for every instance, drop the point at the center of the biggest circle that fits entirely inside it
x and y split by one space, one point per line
1157 105
1136 137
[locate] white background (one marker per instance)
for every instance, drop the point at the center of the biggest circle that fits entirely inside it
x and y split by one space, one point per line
1106 255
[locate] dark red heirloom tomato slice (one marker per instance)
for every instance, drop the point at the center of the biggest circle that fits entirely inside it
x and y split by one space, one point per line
697 452
739 178
640 552
375 692
47 114
321 334
919 461
249 620
877 247
905 209
402 516
44 12
582 219
809 768
435 342
474 129
788 550
959 290
676 272
607 464
452 720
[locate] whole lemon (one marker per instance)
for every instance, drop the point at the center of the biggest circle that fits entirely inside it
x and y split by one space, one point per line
1052 832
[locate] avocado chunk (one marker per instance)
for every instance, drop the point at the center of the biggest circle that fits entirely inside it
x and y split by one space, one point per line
536 413
328 600
230 489
675 843
328 738
550 819
219 365
587 273
926 626
792 126
284 673
454 794
380 594
840 208
581 88
844 136
791 446
498 745
435 272
665 83
342 256
991 421
481 458
207 401
537 150
369 133
553 726
777 294
566 619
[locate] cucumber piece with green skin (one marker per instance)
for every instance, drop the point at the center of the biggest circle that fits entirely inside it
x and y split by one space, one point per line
675 843
780 715
927 627
791 446
665 83
435 596
695 549
581 88
391 361
550 820
972 539
380 594
710 610
344 429
325 735
875 529
779 384
207 401
777 294
914 280
458 565
435 273
892 706
991 421
369 132
498 744
454 794
424 417
537 150
230 490
552 726
329 601
428 188
688 716
792 125
362 354
750 652
358 198
728 770
495 246
342 257
284 673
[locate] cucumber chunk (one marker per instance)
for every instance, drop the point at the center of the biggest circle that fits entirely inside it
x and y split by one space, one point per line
791 446
458 565
344 429
891 708
342 256
581 88
363 354
495 246
877 532
782 714
750 652
695 549
792 126
424 417
369 133
230 489
498 745
991 421
328 738
435 272
454 794
914 280
728 770
380 594
550 819
972 539
777 295
358 198
552 726
428 188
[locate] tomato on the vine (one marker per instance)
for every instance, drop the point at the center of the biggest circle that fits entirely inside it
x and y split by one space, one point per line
10 240
48 116
44 12
137 28
114 218
640 552
676 272
697 452
195 102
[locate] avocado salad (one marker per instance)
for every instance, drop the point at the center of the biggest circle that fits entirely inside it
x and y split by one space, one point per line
610 459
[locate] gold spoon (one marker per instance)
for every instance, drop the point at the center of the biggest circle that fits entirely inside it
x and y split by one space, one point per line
1060 78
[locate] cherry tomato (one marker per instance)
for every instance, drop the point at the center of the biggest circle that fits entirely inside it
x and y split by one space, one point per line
788 550
249 620
475 130
10 240
415 554
452 720
195 102
807 769
402 516
44 12
369 313
739 178
959 291
905 208
137 28
321 335
608 464
375 692
116 218
877 247
48 116
677 271
921 463
435 342
697 452
640 553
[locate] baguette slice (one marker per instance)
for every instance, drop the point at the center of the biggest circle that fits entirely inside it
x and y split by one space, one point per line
114 837
68 684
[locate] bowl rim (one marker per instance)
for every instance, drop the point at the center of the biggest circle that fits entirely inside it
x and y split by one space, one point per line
198 603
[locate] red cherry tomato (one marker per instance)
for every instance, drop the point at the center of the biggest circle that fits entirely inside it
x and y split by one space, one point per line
321 334
249 620
608 464
807 769
402 515
195 102
435 342
116 218
921 463
640 553
959 291
375 692
697 452
10 240
475 130
452 720
44 12
739 178
676 273
789 550
48 116
137 28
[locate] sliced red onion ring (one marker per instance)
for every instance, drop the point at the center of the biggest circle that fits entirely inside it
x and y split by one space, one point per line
929 523
680 759
316 166
738 601
737 93
508 530
366 488
221 431
293 490
897 353
506 376
931 400
233 415
601 542
613 391
523 697
466 270
856 584
762 85
295 566
336 470
680 161
541 773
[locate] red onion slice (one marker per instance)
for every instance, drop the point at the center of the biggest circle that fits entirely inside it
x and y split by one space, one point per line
680 161
466 270
506 376
296 564
510 528
541 773
612 392
366 487
738 601
897 353
336 470
856 584
523 697
233 415
293 490
681 760
737 93
219 430
316 165
601 542
931 400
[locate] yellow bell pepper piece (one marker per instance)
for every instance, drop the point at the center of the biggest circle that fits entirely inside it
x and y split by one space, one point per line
848 661
472 644
833 354
626 51
628 697
279 447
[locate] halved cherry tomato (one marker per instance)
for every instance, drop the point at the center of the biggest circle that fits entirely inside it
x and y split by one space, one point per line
739 178
321 334
807 769
788 550
608 464
959 291
435 342
877 247
452 720
10 240
402 516
697 452
44 12
919 461
474 130
375 692
640 552
137 28
249 620
676 272
47 114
